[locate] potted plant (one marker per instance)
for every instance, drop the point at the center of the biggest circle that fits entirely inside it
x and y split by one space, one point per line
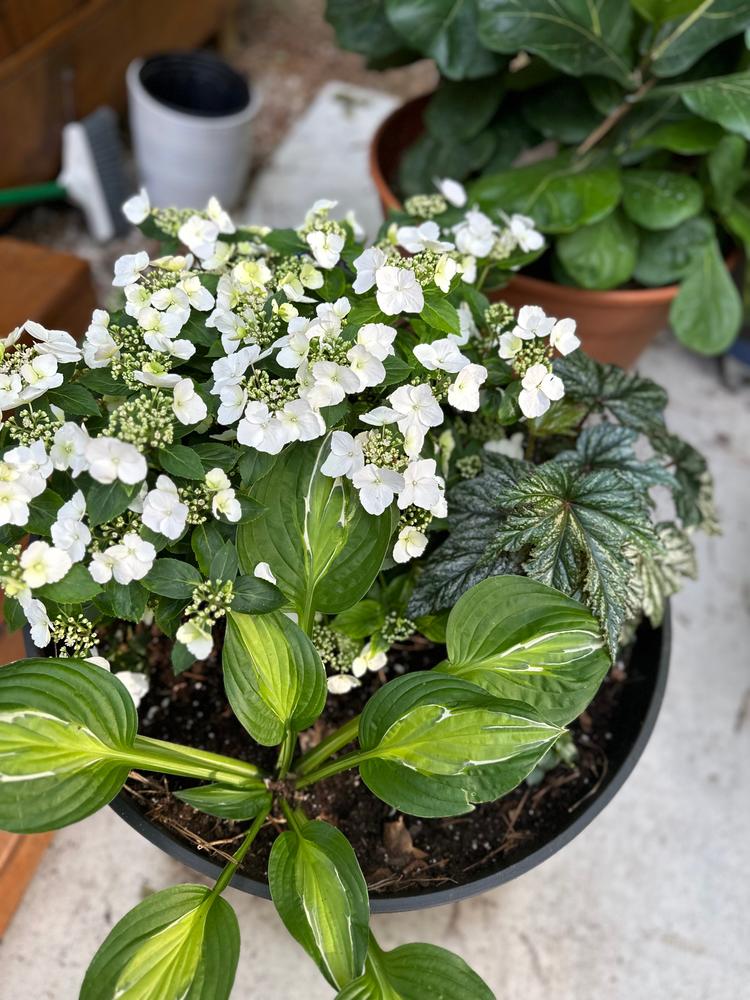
244 471
621 128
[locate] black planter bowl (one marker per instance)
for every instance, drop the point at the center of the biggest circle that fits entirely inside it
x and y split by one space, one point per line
634 721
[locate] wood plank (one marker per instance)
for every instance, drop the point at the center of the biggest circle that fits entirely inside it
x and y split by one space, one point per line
19 858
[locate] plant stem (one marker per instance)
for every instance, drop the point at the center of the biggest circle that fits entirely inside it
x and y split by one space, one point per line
613 118
680 30
336 741
226 876
291 816
155 755
342 764
286 753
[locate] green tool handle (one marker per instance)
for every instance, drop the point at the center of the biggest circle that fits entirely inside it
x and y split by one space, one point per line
32 194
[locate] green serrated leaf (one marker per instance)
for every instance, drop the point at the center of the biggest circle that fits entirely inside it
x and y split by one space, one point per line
181 461
172 578
607 446
76 587
439 313
224 563
105 501
255 596
74 399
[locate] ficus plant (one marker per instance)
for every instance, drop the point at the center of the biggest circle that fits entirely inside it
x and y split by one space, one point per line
286 453
620 128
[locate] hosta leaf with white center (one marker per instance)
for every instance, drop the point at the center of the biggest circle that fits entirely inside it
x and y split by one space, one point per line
575 36
181 943
66 727
227 803
413 972
273 675
321 895
425 736
573 527
630 399
323 547
520 639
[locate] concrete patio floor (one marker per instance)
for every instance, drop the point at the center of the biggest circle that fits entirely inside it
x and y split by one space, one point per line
651 900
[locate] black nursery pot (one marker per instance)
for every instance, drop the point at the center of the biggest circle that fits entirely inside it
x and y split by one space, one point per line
638 713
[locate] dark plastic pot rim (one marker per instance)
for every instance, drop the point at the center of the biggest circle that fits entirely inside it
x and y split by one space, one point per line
178 850
194 84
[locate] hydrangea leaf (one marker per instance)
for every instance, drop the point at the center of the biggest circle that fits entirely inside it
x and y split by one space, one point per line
65 726
320 893
426 736
572 528
323 547
519 639
182 942
273 675
413 972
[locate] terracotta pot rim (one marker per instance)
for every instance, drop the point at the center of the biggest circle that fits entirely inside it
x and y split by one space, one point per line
662 295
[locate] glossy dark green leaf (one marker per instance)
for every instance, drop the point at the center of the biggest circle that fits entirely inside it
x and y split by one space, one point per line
287 242
321 895
273 675
181 461
43 512
205 540
707 313
723 99
74 399
693 496
430 157
659 11
460 110
665 257
560 194
602 255
182 943
725 164
76 587
522 640
561 111
361 620
690 137
608 446
577 37
123 602
105 501
680 42
227 803
660 199
321 545
181 658
172 578
362 26
255 596
224 563
65 729
415 972
439 313
217 456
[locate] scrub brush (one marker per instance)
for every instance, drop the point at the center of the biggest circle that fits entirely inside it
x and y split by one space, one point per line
91 178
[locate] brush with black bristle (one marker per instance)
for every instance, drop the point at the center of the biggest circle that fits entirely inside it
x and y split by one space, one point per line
92 175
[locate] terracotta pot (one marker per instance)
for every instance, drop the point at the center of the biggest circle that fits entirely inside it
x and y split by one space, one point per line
614 326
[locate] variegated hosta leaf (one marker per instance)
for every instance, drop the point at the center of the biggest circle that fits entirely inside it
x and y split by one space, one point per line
66 728
323 547
273 675
227 803
427 737
520 639
415 972
321 895
660 575
179 944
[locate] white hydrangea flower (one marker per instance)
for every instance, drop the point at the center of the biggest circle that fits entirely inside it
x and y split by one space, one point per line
563 336
453 192
533 322
199 235
55 342
260 429
228 371
33 465
330 315
198 295
300 421
398 290
510 345
101 566
377 487
443 355
109 459
224 503
233 402
187 405
14 502
410 544
131 558
68 449
463 394
540 387
252 275
137 297
163 511
331 382
197 639
341 683
467 325
414 409
366 266
378 339
524 233
423 237
128 268
264 572
422 486
40 374
345 457
167 324
369 370
219 216
155 374
467 268
42 563
445 271
135 683
137 208
39 622
326 247
369 659
10 390
214 258
173 301
69 533
475 234
216 479
99 346
183 350
511 447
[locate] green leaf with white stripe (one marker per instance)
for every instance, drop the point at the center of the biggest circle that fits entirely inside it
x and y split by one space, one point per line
273 675
321 895
66 728
324 549
426 737
413 972
182 943
520 639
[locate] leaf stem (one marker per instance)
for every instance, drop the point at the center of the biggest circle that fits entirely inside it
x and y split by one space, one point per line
291 816
157 755
342 764
286 753
336 741
226 876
